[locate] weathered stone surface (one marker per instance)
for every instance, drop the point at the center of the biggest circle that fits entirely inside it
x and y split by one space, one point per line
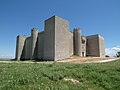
20 47
101 46
95 46
83 46
27 48
63 39
34 39
77 42
41 45
49 39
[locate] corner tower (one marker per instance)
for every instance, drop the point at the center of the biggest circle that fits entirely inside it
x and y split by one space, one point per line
20 44
34 36
95 46
77 42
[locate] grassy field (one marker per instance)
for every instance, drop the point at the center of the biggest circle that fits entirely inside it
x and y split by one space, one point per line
34 76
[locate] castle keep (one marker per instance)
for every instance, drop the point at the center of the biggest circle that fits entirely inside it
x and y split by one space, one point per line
57 42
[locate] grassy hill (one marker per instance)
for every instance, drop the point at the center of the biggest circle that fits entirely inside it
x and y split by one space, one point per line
60 76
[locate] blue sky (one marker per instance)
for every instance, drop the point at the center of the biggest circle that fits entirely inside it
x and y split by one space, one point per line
18 17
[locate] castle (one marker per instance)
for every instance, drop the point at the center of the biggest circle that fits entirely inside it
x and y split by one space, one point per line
57 42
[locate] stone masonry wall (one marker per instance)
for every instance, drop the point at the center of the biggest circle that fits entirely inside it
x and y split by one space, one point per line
63 39
70 43
34 38
40 45
77 42
92 46
20 46
101 46
83 46
49 39
27 48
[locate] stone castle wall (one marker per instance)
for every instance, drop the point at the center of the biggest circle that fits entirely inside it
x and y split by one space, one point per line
71 48
49 39
83 46
41 45
101 46
34 41
20 47
77 42
27 48
63 39
95 46
56 42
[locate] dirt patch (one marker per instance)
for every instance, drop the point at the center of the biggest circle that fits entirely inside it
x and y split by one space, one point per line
71 80
76 59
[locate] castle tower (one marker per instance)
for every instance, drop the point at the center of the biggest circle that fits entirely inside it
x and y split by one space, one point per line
34 36
77 42
58 42
95 46
20 46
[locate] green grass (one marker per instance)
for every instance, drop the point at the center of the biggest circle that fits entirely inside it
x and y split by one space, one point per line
34 76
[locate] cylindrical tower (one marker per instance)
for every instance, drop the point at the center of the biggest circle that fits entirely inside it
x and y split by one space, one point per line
77 42
34 36
19 47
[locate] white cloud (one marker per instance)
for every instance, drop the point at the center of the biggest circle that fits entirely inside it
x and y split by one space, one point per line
6 55
112 51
